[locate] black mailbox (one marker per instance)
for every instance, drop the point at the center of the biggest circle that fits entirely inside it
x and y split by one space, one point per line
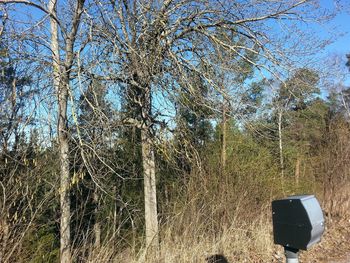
298 221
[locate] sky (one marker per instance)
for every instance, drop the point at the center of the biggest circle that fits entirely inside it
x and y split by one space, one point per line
341 23
342 45
339 26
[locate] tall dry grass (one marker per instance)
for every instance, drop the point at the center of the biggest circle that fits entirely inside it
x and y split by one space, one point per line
212 215
229 213
239 242
224 212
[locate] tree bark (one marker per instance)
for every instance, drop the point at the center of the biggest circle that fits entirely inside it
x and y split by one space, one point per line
297 170
65 250
280 144
223 139
97 225
150 193
148 162
61 88
115 213
4 236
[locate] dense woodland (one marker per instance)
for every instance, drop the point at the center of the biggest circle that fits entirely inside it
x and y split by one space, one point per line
160 131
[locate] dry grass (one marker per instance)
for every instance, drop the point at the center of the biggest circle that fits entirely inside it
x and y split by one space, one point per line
239 243
213 216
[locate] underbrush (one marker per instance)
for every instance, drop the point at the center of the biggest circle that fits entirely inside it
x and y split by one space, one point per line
238 242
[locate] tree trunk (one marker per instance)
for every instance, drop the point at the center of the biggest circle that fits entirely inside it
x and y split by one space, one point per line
281 144
14 115
297 170
61 88
150 192
97 225
65 179
4 236
115 212
148 162
223 139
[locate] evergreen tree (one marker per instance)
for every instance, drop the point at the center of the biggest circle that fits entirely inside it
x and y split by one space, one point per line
14 95
193 127
90 170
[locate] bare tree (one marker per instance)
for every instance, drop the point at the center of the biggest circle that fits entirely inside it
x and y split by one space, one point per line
152 49
155 47
61 73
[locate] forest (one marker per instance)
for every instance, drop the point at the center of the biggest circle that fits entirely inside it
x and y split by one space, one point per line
161 130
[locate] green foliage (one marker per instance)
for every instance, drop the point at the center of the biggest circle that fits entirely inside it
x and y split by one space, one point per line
15 92
252 98
42 246
193 127
299 90
202 57
307 127
246 159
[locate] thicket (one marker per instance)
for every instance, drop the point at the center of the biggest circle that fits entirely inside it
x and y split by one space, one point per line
204 208
184 98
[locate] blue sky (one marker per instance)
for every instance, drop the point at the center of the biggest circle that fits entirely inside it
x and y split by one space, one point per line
339 25
341 46
338 28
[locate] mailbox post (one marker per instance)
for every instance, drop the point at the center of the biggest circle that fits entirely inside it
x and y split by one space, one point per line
298 224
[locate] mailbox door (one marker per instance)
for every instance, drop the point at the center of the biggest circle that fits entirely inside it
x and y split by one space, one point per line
291 223
297 221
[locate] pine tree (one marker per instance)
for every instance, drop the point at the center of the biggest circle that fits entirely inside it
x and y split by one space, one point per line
14 94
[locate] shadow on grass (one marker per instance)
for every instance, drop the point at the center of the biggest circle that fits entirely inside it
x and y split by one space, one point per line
216 259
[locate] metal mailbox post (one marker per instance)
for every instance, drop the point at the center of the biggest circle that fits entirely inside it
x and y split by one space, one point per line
298 224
